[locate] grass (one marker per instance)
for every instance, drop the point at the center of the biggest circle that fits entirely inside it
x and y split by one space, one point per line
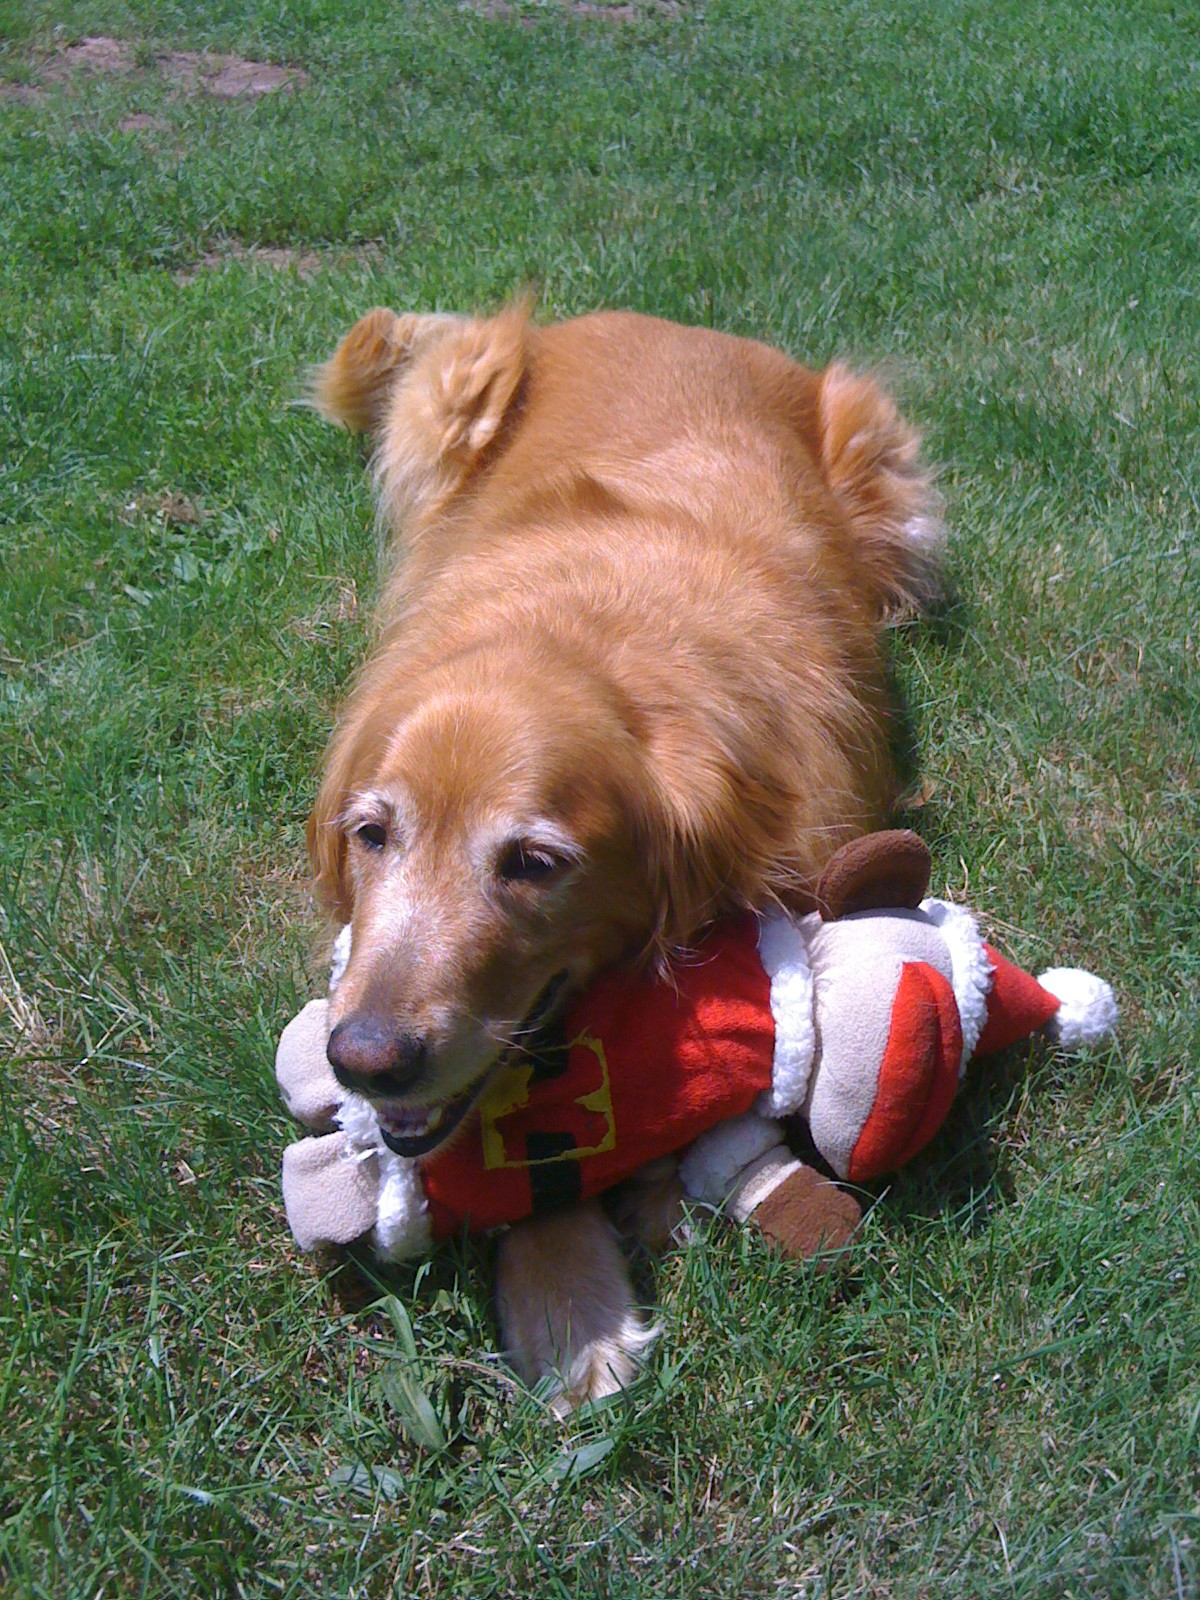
998 204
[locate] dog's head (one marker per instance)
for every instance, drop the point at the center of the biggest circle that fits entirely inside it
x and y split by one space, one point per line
486 837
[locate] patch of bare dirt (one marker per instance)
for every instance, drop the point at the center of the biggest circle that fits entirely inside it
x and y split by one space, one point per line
597 8
139 122
195 71
20 1009
229 77
95 54
497 8
328 616
278 258
178 511
173 508
616 11
22 94
35 1051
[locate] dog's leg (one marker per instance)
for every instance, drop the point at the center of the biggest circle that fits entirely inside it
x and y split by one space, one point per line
649 1206
566 1305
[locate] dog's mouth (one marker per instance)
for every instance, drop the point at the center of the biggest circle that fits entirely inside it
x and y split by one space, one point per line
416 1130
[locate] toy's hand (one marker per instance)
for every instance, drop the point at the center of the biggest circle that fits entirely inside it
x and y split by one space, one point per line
330 1191
306 1081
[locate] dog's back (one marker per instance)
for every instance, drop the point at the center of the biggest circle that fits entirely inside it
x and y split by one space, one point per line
718 531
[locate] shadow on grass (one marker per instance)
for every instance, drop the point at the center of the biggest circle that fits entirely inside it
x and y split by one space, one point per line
357 1277
947 625
947 622
962 1174
963 1171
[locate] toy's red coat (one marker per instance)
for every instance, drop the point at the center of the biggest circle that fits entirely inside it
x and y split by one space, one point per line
648 1067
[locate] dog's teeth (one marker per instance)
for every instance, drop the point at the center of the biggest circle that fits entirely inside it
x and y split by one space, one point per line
412 1124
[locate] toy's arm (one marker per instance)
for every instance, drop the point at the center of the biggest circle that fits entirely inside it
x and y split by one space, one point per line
745 1167
306 1081
345 1184
330 1193
330 1197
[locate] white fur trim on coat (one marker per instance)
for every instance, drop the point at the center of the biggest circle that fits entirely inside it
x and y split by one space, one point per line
971 970
402 1226
783 950
1087 1011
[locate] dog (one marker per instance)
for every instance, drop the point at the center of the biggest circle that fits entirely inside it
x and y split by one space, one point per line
627 678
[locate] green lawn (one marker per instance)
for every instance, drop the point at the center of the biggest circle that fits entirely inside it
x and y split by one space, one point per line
996 203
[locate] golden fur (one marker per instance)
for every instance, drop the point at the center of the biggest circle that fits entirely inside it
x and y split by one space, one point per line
631 636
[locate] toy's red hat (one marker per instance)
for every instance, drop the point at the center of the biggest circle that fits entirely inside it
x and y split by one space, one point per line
1017 1006
925 1053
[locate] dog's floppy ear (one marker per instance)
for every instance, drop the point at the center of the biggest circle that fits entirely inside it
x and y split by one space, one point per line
327 843
449 404
465 384
685 836
366 722
676 896
351 388
346 770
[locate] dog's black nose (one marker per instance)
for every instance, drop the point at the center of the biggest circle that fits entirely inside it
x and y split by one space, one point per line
372 1055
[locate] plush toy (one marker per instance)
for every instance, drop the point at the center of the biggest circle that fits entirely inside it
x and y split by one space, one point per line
859 1018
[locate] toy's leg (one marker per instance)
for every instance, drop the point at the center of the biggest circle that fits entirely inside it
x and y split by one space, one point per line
746 1167
805 1214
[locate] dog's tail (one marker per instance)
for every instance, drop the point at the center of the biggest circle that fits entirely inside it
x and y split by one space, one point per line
352 388
872 461
434 390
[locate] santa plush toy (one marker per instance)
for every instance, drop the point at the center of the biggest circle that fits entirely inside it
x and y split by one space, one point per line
860 1018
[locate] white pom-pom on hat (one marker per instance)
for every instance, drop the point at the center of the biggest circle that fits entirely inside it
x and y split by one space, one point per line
1087 1010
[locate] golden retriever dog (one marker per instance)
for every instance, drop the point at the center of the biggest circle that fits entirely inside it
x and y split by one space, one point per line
627 678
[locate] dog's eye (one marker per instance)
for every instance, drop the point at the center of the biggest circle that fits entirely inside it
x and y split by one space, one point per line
372 834
522 863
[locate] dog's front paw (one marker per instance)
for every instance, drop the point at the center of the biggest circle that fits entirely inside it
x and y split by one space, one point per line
566 1306
601 1367
649 1206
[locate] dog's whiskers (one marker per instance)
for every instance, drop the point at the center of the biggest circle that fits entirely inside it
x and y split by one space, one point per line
508 1035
